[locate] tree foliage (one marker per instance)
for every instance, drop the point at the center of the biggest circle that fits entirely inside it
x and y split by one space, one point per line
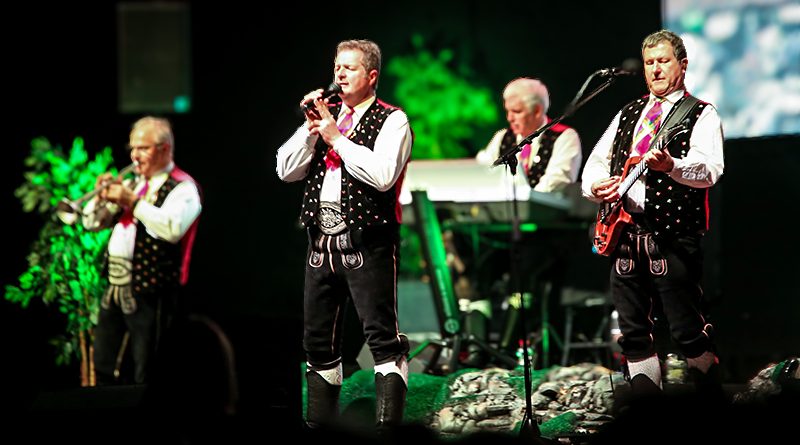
65 262
444 107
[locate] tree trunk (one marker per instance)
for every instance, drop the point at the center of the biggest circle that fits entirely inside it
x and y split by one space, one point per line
84 364
87 360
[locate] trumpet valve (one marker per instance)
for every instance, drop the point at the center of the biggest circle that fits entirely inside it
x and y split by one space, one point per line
66 212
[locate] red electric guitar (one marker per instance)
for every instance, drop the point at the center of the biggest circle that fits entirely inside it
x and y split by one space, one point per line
612 217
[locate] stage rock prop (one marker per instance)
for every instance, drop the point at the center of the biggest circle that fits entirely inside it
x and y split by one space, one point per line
774 380
575 399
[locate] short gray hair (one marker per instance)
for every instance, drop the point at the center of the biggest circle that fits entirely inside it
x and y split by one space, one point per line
371 51
159 127
530 91
678 48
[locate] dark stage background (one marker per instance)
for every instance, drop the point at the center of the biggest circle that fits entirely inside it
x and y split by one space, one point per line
61 81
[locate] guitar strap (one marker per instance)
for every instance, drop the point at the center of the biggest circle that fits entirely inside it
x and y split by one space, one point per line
678 113
675 116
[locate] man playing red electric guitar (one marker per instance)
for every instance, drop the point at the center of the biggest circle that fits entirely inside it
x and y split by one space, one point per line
662 215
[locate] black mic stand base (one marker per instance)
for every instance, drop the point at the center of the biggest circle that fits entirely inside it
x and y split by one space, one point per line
531 434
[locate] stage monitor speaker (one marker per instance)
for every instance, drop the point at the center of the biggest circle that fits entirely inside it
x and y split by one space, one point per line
154 57
89 401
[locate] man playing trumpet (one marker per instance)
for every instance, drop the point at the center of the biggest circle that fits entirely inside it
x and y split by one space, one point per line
154 220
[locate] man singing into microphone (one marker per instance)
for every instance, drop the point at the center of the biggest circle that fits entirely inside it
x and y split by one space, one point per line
659 257
352 156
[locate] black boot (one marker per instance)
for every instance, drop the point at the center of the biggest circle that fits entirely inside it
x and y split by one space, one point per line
708 385
322 403
476 325
639 391
390 401
642 386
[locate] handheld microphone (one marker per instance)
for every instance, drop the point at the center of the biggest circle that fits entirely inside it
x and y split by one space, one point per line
630 67
332 89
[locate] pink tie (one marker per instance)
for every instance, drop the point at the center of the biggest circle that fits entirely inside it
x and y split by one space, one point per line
127 217
524 155
649 127
332 159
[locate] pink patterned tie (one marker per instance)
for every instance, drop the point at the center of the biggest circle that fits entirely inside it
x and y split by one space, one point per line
332 159
524 155
127 216
649 127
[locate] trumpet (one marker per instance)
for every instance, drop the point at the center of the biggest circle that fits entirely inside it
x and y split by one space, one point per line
68 211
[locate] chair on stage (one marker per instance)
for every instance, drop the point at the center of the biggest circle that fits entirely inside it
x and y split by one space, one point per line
588 324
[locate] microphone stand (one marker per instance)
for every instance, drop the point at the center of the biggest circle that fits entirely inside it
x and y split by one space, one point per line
530 427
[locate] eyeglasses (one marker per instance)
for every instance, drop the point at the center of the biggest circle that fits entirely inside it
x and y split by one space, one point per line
141 147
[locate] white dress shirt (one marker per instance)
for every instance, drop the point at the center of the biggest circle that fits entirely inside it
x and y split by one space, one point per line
378 168
701 168
562 169
168 222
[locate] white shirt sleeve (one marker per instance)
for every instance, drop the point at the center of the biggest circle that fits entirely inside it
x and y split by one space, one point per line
491 152
381 166
294 156
704 162
177 213
598 165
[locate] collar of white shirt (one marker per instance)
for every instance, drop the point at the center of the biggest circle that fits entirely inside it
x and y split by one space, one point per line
671 98
359 109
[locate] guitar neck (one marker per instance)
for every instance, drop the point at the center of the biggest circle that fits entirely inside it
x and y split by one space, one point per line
631 178
658 144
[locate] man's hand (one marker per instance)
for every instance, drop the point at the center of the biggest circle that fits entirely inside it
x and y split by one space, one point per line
326 124
119 194
607 189
103 180
659 160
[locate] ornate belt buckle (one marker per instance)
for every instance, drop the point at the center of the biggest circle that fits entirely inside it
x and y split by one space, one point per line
330 219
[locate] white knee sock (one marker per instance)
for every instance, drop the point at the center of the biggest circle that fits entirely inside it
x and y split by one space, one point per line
333 376
399 367
650 367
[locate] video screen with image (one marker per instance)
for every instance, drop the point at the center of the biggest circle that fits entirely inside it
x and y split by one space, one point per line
744 57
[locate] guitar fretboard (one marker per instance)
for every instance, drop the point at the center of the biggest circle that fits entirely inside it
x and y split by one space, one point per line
634 174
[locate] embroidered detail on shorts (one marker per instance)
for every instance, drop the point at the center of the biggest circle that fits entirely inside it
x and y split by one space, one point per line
343 242
119 270
330 219
316 259
352 260
624 266
658 264
658 267
122 296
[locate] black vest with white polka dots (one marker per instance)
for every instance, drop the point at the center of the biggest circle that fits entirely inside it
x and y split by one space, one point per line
671 209
363 205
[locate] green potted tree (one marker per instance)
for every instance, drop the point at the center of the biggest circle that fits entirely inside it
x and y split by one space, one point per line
65 262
